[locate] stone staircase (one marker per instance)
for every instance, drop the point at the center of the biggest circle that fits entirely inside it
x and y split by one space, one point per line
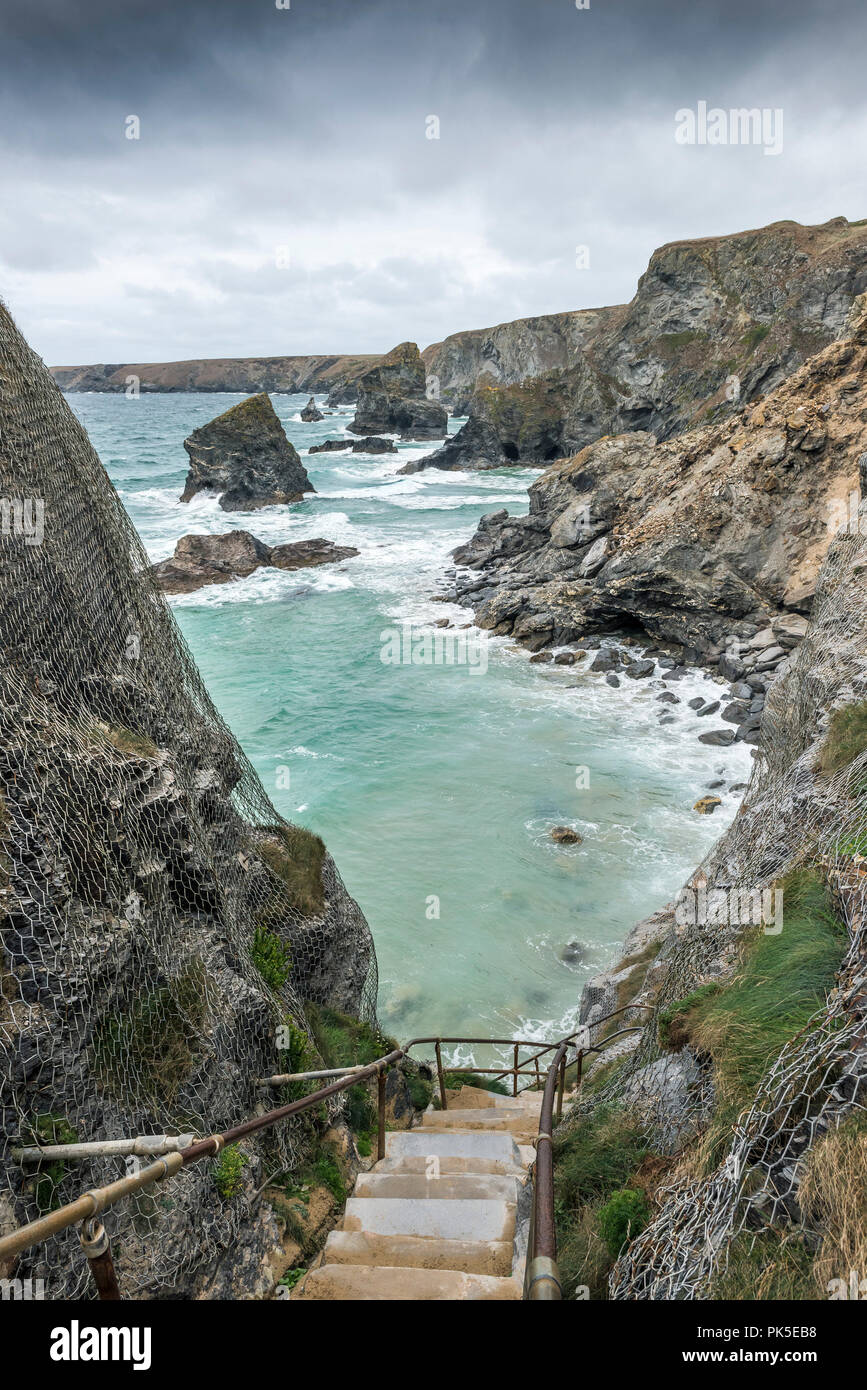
445 1215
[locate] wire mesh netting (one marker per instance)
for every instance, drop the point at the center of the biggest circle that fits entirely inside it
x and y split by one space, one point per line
793 815
160 925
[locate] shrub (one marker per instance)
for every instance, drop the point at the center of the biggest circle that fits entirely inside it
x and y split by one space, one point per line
622 1218
271 957
228 1171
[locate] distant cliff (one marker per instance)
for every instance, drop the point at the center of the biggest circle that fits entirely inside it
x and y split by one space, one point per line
247 374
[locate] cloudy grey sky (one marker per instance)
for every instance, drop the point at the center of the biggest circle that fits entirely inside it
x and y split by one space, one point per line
283 196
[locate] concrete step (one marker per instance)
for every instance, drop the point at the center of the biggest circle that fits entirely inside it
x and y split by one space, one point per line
446 1187
516 1123
419 1252
458 1219
424 1141
381 1282
448 1163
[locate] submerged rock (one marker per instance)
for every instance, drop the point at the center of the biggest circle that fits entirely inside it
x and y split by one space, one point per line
201 560
244 456
706 805
565 835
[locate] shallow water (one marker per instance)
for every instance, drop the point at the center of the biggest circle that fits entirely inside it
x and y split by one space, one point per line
435 787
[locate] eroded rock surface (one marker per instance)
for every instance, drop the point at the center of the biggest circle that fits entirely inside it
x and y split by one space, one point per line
245 457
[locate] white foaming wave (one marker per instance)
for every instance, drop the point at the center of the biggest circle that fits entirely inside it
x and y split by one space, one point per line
265 585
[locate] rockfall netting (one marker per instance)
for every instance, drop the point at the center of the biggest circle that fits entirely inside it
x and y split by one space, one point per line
160 925
794 814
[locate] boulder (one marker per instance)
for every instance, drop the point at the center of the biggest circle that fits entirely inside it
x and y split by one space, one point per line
371 445
310 414
706 805
565 835
244 456
201 560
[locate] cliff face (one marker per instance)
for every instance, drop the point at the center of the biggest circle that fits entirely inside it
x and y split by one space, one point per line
159 924
753 1099
248 374
714 323
699 540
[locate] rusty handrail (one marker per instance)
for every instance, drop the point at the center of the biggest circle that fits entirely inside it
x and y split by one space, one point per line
542 1275
88 1208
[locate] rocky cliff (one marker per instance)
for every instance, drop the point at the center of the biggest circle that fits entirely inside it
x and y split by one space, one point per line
703 540
731 1125
161 928
714 323
247 374
392 398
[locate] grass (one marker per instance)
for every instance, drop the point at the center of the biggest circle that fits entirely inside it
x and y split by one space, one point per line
594 1160
780 983
755 335
228 1171
295 857
846 737
146 1051
344 1041
833 1198
129 742
767 1265
453 1081
271 957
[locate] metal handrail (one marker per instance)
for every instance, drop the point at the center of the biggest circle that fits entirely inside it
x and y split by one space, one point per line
88 1208
542 1275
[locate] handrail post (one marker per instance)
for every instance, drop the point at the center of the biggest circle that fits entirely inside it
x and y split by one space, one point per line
440 1076
97 1248
561 1088
380 1096
515 1074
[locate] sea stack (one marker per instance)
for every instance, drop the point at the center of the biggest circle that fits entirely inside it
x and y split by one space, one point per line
244 456
310 414
392 399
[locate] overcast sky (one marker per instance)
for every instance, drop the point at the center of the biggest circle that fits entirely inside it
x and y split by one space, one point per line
283 196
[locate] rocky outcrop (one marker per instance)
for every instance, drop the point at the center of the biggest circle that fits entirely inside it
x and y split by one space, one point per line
201 560
244 456
392 399
714 323
161 927
310 414
371 445
248 374
712 540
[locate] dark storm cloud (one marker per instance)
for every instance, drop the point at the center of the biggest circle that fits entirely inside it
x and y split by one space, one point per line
283 196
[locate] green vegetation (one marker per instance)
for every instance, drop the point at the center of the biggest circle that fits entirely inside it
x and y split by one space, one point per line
291 1278
271 957
295 857
669 344
228 1171
49 1128
321 1171
344 1041
623 1217
454 1080
782 980
755 335
420 1091
766 1265
846 738
129 742
594 1160
147 1050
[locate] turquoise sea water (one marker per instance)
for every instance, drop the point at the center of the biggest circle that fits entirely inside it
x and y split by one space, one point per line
434 787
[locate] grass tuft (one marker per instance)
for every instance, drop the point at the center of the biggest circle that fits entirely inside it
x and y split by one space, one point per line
846 737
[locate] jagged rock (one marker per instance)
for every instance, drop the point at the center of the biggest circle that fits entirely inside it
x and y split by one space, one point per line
714 323
695 552
244 456
706 805
371 445
310 414
201 560
392 400
718 738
